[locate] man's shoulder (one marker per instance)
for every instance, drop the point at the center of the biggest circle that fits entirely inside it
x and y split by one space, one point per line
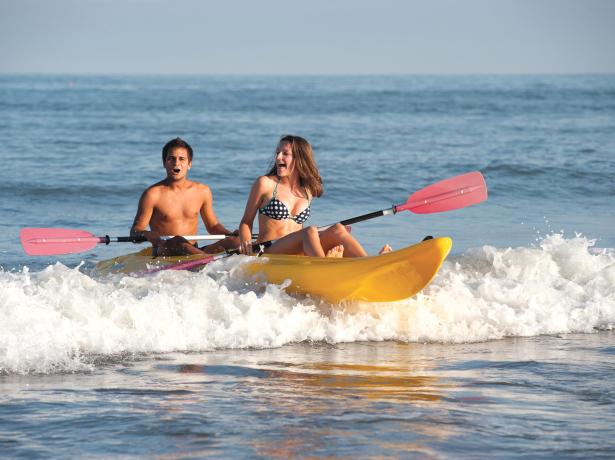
156 188
200 187
163 186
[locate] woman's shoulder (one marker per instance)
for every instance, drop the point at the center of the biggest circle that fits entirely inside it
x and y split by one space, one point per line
265 182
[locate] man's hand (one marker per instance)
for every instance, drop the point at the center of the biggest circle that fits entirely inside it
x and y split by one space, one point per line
152 237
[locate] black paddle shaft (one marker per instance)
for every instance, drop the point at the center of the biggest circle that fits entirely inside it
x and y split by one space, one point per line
368 216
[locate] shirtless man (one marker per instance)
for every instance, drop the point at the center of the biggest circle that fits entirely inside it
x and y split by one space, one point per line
172 207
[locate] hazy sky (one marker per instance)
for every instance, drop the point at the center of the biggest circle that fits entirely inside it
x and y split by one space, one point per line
307 37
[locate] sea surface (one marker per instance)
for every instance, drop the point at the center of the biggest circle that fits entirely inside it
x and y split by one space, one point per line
509 353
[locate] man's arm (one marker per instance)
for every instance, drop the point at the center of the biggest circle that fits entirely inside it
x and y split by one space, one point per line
144 214
212 224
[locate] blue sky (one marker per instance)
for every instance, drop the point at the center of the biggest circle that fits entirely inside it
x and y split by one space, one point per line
307 37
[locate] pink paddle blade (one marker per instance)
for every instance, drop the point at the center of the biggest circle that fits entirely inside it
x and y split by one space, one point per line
53 241
448 194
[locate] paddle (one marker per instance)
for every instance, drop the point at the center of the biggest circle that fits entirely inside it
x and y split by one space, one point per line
188 264
447 195
55 241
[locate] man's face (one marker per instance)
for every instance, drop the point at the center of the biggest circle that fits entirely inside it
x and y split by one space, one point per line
177 163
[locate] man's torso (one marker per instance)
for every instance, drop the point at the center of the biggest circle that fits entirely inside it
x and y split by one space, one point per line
176 211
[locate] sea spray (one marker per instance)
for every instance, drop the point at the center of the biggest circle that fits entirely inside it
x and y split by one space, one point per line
487 293
64 320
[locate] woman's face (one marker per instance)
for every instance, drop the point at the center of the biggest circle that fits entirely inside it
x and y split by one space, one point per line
284 159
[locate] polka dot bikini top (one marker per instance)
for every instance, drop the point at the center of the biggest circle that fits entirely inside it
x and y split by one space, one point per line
277 210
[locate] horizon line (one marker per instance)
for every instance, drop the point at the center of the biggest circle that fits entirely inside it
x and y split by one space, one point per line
257 74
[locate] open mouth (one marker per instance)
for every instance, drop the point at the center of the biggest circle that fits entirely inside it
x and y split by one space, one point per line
176 170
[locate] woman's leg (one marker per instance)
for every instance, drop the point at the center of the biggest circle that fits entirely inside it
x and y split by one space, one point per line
311 242
312 245
386 248
289 244
339 234
305 241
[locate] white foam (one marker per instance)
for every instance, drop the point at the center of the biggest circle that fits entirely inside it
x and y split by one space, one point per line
62 320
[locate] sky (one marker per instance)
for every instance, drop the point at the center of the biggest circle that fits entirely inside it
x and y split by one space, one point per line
307 37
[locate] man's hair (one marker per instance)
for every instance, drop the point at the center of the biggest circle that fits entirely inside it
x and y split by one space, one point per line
173 144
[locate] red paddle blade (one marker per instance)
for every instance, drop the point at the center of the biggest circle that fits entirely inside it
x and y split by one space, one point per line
53 241
448 194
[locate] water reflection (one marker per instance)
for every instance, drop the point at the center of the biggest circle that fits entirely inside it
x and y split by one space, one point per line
309 405
374 382
549 394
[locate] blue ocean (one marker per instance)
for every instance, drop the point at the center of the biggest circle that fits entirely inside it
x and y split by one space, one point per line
508 353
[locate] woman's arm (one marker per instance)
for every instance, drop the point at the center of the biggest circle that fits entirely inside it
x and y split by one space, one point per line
247 221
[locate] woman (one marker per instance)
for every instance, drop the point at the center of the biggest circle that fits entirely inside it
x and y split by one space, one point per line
282 200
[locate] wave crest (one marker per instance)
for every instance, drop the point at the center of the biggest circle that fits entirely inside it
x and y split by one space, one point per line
62 320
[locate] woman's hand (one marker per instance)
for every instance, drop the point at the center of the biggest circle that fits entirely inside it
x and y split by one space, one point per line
252 206
246 247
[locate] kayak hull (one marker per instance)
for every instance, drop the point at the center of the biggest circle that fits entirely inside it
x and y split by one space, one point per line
387 277
139 263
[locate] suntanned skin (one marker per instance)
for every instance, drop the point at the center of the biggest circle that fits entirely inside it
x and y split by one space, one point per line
172 207
292 238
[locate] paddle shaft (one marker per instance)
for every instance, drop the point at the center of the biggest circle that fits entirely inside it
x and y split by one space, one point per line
118 239
449 194
371 215
446 195
187 265
259 247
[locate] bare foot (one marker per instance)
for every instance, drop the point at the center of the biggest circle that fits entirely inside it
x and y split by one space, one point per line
336 252
386 248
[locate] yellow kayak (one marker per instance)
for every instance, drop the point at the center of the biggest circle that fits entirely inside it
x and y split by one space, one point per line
388 277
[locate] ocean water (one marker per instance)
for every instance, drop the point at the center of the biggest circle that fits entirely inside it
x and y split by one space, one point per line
509 353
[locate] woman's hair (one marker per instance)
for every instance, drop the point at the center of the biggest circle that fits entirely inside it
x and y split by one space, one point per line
305 164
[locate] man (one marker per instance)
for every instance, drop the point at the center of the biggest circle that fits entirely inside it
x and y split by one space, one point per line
172 207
